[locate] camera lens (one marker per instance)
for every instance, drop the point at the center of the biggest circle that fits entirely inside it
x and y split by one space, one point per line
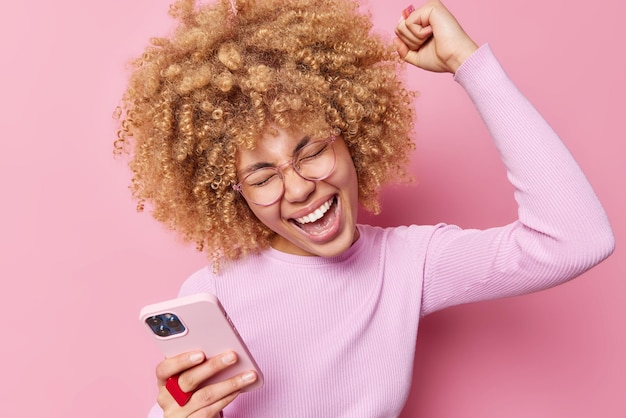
154 321
173 322
162 331
175 325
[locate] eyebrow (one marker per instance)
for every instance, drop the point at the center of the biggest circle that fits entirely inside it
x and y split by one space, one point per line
301 145
257 166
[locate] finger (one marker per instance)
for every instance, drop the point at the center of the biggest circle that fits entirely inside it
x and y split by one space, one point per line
220 393
401 48
191 378
412 57
174 365
420 33
407 11
413 34
214 410
208 400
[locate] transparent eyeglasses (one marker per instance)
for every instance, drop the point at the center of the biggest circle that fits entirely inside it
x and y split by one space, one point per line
265 186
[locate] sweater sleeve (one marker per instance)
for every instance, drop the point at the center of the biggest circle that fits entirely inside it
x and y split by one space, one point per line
562 229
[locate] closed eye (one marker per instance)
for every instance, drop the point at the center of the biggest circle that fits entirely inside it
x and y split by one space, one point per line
261 178
312 151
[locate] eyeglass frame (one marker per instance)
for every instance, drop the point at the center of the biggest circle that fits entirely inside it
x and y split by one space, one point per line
280 167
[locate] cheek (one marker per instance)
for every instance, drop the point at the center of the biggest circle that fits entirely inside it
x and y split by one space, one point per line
345 169
269 216
347 177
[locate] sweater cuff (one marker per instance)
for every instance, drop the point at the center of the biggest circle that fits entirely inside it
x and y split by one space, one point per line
482 77
478 65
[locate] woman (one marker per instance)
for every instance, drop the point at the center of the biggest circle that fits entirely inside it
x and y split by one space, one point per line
256 132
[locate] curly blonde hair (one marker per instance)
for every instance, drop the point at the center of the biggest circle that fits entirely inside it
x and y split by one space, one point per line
224 75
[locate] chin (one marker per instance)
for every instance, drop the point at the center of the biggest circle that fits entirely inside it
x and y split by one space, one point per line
333 248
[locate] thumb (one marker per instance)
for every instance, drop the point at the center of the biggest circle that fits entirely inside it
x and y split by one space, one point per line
405 53
412 57
401 48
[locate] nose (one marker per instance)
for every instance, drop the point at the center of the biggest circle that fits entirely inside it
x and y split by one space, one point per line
297 188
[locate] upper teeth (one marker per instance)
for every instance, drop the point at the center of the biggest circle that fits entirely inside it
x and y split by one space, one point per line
314 216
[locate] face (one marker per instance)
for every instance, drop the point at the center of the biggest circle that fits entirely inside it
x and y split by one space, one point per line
312 217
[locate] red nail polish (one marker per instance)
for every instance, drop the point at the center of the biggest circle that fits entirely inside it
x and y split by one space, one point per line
407 12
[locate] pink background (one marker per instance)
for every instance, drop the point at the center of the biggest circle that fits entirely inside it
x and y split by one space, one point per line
78 262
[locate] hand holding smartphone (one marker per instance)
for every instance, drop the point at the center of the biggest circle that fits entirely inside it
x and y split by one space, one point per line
199 322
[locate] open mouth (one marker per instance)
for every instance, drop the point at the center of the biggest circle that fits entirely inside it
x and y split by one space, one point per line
320 221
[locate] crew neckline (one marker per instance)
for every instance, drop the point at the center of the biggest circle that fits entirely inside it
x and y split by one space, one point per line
314 260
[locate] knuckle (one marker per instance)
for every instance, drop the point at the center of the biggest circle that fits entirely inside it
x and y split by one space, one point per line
169 367
161 372
187 382
217 363
206 395
163 398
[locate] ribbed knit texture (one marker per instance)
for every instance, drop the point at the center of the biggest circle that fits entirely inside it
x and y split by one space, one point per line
335 337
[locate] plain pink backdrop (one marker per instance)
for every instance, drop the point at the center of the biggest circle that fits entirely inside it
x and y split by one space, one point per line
78 262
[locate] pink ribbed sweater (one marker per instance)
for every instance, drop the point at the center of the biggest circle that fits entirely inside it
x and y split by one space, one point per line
335 337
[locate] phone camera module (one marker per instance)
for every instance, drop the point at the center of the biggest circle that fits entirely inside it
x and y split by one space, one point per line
165 325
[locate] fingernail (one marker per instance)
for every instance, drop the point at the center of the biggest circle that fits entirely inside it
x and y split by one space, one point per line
195 357
407 12
228 358
248 377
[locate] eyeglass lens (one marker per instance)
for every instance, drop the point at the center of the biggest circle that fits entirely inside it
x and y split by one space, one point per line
314 161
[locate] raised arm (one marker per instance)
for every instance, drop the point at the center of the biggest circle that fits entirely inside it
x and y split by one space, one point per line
562 229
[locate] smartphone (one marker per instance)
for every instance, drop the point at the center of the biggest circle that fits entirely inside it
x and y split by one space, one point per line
199 322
